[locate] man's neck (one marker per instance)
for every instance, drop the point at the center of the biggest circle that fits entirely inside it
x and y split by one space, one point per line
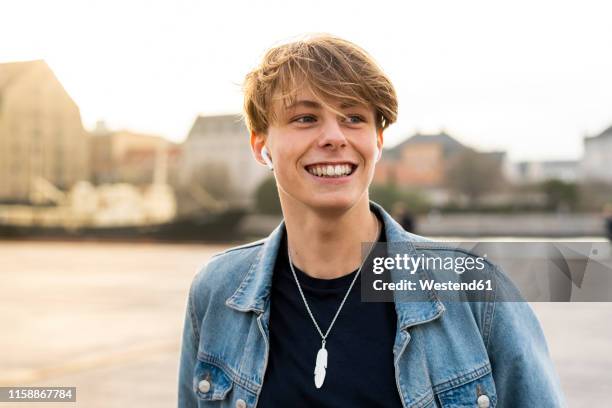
329 246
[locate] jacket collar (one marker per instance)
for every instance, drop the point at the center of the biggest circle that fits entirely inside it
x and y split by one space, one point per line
254 290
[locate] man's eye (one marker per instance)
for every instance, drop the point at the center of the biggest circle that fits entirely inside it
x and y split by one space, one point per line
354 119
305 119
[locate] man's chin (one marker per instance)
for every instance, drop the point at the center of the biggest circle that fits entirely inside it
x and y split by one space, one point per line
334 204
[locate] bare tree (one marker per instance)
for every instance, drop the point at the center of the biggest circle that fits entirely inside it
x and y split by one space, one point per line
473 174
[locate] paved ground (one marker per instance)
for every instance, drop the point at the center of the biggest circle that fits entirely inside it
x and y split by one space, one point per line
107 318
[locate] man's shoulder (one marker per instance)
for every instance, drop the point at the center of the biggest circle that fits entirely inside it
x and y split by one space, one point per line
462 261
226 269
240 250
424 245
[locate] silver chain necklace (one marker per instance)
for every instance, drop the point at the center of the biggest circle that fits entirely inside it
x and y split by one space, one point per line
321 361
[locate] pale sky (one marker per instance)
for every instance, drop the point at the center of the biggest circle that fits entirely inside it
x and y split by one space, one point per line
529 77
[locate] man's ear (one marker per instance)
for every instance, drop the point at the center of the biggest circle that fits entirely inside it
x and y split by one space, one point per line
379 143
258 142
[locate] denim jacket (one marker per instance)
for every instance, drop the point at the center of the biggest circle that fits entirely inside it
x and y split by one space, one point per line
446 354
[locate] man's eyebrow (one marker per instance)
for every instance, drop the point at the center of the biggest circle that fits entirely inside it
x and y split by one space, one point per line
348 105
305 103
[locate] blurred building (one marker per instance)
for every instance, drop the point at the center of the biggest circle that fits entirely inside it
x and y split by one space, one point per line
528 172
41 133
129 157
439 165
595 164
217 159
418 161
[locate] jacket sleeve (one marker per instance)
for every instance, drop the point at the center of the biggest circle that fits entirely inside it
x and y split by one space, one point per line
189 350
523 371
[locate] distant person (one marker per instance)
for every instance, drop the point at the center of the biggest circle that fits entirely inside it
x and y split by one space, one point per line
280 322
403 216
607 214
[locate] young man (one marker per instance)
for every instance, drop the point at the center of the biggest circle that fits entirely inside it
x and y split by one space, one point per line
280 322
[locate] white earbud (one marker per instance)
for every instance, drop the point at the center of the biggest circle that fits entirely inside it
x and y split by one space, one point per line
267 158
379 155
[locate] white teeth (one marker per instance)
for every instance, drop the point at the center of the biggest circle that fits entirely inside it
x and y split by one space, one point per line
329 170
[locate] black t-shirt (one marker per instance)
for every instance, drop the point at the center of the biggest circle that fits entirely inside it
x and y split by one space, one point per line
360 370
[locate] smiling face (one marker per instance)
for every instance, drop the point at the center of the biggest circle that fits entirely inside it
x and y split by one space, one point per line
320 105
324 154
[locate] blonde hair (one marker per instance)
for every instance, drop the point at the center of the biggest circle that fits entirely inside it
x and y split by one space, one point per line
331 67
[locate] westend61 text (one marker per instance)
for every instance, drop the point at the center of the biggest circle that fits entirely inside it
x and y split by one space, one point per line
407 285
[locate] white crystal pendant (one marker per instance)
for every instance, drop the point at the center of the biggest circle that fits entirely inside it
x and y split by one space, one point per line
321 365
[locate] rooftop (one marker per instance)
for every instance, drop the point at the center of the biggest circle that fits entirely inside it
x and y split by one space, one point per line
10 71
449 144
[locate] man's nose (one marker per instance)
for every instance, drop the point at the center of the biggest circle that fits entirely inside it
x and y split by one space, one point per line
332 135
